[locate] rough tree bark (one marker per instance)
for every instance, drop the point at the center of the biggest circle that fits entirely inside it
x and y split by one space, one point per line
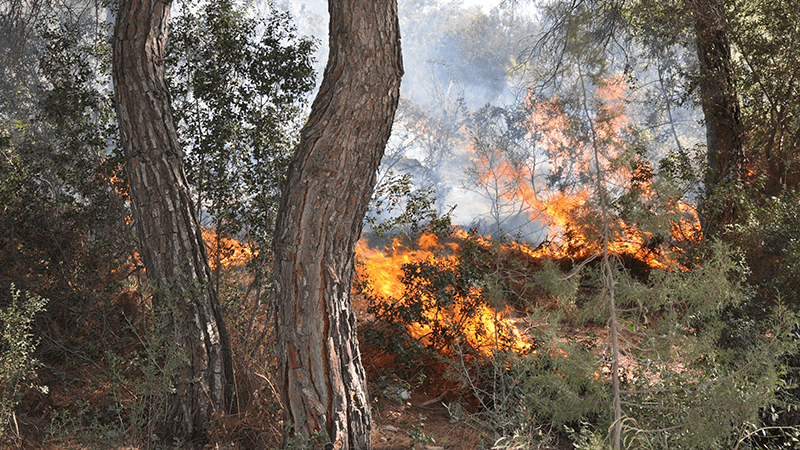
720 103
170 240
329 184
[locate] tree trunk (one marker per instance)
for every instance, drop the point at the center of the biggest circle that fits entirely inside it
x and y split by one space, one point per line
720 104
329 185
171 245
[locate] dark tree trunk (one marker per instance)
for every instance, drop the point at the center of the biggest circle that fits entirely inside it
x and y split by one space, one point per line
185 303
720 105
329 184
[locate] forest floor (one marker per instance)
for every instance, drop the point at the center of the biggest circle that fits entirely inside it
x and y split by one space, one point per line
90 401
400 424
406 424
411 411
407 413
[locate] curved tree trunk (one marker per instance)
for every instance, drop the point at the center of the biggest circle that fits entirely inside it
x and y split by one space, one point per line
329 185
185 303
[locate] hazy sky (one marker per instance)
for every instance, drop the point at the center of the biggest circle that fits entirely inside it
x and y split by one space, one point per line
486 5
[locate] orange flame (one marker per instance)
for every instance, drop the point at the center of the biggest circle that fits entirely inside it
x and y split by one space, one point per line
226 252
384 271
565 209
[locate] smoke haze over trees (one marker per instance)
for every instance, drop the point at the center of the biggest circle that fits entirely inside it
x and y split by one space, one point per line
464 60
623 175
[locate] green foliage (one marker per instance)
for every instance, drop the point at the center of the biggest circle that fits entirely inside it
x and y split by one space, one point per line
63 214
769 233
162 359
240 85
587 438
763 34
63 195
685 384
415 208
524 398
419 438
558 384
63 191
17 344
554 283
695 375
142 379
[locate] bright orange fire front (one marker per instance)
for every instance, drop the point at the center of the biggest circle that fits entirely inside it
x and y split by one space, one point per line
581 164
485 329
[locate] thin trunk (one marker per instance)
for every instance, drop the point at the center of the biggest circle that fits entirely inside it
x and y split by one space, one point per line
170 240
608 274
668 104
329 184
613 326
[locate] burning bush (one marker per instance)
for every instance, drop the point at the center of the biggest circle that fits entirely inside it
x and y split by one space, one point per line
442 306
435 298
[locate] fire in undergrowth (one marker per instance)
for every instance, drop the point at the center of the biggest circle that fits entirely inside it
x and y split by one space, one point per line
226 252
559 182
424 287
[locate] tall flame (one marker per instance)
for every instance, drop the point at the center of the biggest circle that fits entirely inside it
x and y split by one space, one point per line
574 163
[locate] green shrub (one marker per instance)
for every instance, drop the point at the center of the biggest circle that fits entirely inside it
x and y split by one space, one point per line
698 374
400 208
17 344
524 398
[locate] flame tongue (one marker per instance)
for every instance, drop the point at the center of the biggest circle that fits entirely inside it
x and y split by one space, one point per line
226 252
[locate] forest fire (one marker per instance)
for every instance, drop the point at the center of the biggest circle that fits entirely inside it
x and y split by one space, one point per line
225 252
574 223
578 235
486 329
595 185
564 191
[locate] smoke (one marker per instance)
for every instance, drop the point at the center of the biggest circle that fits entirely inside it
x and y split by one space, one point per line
463 77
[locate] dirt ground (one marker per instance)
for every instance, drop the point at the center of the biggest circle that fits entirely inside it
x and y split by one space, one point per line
403 425
422 422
